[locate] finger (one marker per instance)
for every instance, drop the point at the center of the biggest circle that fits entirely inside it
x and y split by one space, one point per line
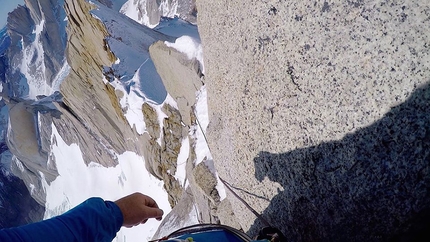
150 202
154 212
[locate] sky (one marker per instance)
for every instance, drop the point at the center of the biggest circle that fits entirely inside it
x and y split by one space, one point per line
6 7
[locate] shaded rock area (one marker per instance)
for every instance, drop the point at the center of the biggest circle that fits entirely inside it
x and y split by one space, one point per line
21 208
30 160
319 111
21 27
386 186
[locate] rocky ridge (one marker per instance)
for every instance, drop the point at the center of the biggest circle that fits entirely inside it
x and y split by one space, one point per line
87 111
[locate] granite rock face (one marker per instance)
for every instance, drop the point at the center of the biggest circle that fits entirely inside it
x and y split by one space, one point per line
179 75
91 102
318 112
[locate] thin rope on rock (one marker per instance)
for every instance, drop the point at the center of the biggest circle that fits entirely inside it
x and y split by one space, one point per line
245 203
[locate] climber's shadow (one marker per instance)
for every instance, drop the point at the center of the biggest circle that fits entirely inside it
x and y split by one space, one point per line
372 185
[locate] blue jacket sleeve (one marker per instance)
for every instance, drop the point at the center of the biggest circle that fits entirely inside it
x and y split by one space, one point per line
92 220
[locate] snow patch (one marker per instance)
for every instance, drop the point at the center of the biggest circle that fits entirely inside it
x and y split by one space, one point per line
181 164
19 164
167 11
202 148
190 47
131 104
137 11
77 182
61 75
33 65
32 187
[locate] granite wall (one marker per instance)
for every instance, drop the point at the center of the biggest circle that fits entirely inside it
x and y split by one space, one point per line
319 112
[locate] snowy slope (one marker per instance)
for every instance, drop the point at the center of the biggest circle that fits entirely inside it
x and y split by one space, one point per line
77 182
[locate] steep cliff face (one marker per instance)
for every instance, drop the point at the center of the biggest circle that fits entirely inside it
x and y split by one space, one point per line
92 102
317 111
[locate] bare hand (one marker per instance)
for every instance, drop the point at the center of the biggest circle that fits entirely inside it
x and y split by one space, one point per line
137 209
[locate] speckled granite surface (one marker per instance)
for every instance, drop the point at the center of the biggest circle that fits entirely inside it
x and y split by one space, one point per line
321 107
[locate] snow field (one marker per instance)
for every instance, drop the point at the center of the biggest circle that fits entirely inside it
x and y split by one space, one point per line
77 182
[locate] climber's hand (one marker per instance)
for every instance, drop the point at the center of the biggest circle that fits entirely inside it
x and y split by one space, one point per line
137 209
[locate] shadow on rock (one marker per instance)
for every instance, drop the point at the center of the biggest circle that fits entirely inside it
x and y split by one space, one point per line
373 185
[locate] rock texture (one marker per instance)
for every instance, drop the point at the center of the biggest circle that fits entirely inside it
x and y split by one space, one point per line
318 112
30 160
182 78
179 75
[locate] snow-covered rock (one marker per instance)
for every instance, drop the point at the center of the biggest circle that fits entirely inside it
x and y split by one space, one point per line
180 75
36 52
148 12
109 106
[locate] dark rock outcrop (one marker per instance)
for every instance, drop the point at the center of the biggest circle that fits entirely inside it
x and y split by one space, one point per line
18 207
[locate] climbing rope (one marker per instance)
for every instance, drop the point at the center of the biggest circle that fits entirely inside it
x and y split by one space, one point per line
230 188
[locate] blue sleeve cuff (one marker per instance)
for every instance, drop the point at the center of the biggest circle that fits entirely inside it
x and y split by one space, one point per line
116 211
